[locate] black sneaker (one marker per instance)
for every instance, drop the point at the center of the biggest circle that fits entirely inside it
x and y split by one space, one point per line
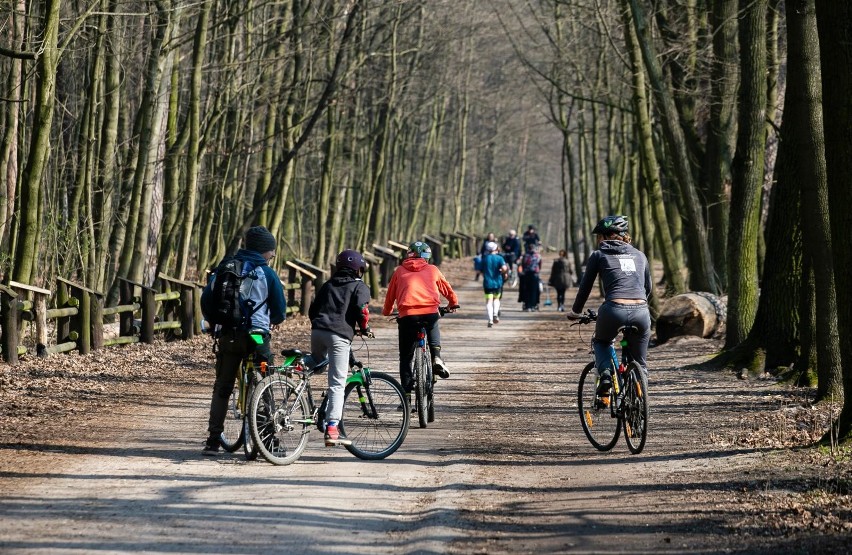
604 385
211 447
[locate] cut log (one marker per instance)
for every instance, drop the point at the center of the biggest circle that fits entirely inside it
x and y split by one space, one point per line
689 314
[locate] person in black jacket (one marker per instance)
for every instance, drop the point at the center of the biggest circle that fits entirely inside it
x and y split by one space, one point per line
339 304
626 278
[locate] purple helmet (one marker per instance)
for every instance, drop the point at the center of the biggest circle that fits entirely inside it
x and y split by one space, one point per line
352 260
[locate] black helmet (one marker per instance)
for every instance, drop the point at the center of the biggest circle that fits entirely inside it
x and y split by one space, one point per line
352 260
612 224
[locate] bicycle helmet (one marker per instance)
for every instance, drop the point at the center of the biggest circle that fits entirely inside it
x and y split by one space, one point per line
419 249
352 260
612 224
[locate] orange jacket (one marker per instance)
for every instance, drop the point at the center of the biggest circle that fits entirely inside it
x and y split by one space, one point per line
416 287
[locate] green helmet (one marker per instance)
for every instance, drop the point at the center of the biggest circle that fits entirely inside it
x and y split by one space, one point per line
419 249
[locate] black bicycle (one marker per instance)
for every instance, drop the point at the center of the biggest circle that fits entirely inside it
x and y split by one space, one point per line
236 431
604 414
424 378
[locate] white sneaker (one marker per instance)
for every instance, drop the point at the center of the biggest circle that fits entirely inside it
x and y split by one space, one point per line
440 369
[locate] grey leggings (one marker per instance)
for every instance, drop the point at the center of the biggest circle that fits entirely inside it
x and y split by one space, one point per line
612 316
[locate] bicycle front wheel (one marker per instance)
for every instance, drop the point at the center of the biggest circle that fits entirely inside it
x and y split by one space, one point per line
420 388
598 420
375 417
635 415
232 436
280 420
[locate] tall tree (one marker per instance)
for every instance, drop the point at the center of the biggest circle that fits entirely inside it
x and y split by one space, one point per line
834 22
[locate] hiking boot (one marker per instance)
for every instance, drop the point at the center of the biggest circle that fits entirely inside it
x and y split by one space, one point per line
211 446
439 368
334 436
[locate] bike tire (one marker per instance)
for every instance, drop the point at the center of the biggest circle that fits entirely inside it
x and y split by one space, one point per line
599 423
430 390
232 435
375 417
420 392
250 449
635 409
279 420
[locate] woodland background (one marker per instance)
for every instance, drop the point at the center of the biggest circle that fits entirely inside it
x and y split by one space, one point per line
139 137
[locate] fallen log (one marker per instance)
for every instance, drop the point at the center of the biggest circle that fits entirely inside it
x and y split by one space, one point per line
697 314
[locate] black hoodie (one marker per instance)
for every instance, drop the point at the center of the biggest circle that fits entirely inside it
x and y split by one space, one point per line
339 304
623 269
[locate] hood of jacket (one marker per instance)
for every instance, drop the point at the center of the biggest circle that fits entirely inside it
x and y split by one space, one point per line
415 264
613 246
340 278
251 256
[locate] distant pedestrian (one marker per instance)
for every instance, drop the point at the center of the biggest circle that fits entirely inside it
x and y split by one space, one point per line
531 237
480 256
530 289
494 270
560 279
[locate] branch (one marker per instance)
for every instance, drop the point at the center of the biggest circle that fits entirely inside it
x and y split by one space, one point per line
17 54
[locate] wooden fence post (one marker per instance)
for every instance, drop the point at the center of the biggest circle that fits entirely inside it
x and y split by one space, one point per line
9 313
97 316
437 249
149 313
373 273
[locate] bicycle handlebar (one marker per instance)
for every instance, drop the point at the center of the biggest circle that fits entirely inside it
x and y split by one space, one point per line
587 318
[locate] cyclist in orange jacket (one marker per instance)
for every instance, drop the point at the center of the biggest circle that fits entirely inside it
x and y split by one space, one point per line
416 288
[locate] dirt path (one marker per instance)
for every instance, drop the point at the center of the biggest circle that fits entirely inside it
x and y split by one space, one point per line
504 469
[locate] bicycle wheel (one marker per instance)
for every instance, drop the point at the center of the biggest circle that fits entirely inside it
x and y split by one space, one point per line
430 388
421 397
599 423
375 417
635 409
250 448
232 436
280 420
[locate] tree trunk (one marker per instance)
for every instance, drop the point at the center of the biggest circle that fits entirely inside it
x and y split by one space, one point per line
748 174
29 226
834 21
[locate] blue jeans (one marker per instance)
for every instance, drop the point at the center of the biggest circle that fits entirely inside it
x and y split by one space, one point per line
612 316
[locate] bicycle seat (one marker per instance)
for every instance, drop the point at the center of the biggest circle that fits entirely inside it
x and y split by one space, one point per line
291 353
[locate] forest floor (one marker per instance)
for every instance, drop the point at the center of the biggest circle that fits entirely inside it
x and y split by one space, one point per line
102 453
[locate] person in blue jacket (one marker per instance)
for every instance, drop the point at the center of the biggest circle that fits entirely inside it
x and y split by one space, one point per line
264 291
494 270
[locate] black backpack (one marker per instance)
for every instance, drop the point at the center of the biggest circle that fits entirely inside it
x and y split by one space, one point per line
227 300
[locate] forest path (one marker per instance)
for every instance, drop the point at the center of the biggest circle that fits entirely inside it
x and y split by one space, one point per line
504 468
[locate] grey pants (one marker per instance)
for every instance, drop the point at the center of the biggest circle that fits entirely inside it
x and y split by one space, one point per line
325 343
612 316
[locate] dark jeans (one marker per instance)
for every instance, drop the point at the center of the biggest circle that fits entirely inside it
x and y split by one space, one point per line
233 347
612 316
409 326
560 296
529 290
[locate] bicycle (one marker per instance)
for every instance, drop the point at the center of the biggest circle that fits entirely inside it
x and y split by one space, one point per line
424 379
236 433
283 410
625 406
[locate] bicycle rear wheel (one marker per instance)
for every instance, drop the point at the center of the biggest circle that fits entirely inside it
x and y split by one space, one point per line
635 415
375 417
232 436
279 420
420 391
599 423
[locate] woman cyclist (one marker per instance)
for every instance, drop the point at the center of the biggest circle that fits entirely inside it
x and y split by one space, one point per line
416 287
626 278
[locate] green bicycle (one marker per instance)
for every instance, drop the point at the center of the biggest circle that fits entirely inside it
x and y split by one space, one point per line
237 433
283 411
